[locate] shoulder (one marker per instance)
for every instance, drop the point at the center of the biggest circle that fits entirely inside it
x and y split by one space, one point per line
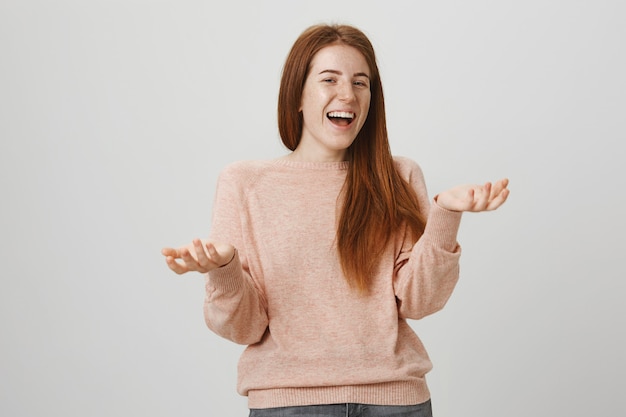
411 172
408 168
242 172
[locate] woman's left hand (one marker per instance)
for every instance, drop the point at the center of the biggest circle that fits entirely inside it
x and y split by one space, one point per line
474 198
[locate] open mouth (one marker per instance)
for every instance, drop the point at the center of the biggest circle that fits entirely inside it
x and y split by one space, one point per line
341 118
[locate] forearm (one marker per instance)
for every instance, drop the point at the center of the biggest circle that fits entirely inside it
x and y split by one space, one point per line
233 307
426 280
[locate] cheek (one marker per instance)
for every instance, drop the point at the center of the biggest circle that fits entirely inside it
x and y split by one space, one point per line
313 101
307 100
365 105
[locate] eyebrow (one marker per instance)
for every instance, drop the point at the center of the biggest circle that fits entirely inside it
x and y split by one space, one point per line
357 74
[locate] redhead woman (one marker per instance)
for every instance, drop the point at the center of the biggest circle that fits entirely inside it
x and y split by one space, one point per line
317 259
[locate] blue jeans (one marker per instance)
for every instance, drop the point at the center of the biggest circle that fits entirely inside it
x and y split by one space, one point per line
347 410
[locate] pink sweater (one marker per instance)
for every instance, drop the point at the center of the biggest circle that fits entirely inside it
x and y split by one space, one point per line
312 339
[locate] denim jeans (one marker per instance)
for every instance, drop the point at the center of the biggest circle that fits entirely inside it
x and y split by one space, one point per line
347 410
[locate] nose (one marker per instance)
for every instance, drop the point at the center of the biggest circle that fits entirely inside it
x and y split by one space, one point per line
346 93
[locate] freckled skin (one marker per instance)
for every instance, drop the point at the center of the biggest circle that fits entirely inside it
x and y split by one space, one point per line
338 81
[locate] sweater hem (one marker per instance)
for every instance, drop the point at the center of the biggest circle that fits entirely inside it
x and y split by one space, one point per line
388 393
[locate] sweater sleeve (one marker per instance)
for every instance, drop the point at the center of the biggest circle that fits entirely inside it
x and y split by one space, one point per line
426 272
234 306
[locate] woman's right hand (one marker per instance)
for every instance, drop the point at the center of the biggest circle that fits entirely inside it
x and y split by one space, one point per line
201 256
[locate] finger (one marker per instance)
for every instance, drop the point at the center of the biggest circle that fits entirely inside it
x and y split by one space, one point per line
499 200
215 256
170 252
482 199
175 266
190 261
201 255
212 251
498 187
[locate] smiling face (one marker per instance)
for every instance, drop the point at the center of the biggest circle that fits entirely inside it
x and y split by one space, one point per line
335 103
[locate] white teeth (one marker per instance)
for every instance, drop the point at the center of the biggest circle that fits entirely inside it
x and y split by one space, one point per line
341 114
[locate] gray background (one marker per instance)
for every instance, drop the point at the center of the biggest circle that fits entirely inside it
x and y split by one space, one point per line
116 116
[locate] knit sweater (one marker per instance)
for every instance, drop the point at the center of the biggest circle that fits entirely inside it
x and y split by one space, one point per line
313 339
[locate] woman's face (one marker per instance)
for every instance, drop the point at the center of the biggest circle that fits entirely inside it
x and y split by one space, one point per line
335 103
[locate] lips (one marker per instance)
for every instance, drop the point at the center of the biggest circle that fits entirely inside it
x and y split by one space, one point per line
341 118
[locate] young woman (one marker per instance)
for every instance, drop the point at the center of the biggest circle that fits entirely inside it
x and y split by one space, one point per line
316 260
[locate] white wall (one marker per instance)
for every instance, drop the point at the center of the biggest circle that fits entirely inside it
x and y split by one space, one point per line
116 116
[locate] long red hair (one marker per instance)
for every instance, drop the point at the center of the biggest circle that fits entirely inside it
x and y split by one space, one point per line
377 202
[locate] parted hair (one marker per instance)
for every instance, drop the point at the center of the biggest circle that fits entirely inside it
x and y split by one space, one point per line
375 201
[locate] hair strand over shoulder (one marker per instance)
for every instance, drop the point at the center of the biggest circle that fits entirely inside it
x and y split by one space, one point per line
376 201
